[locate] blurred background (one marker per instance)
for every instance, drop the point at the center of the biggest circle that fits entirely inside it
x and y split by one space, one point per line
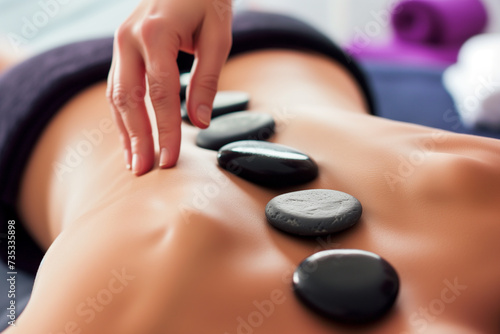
42 24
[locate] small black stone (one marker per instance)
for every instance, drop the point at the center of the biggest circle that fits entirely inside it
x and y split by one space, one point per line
184 78
267 164
225 102
313 212
236 126
347 285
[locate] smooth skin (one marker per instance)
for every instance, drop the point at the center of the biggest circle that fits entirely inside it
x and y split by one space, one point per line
145 52
191 247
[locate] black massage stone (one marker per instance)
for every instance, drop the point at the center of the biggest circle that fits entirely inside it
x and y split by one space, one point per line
347 285
236 126
225 102
267 164
185 78
313 212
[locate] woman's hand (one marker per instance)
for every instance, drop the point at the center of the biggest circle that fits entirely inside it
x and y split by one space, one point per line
145 53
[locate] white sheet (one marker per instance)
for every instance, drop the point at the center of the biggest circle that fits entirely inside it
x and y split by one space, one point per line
474 82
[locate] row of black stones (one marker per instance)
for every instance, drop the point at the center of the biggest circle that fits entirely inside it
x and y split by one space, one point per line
360 286
345 285
225 102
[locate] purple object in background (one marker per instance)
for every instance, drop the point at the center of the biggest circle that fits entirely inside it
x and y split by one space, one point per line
449 22
429 32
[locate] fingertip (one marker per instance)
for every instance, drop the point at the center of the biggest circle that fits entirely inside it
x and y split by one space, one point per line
140 165
142 160
164 158
204 116
168 157
169 154
137 164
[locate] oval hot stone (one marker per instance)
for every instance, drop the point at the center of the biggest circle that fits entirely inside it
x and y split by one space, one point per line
347 285
234 127
267 164
313 212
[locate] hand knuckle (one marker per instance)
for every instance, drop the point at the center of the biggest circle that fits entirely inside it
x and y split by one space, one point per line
208 82
122 35
137 94
159 93
156 73
152 30
151 27
120 98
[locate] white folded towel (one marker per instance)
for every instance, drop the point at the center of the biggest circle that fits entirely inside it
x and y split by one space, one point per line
474 82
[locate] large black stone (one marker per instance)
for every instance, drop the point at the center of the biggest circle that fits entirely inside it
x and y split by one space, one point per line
313 212
225 102
267 164
347 285
236 126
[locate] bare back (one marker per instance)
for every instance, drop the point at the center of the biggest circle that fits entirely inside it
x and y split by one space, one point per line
188 250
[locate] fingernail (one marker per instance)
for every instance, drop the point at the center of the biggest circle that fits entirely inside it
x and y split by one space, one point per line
136 163
204 114
126 154
164 155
